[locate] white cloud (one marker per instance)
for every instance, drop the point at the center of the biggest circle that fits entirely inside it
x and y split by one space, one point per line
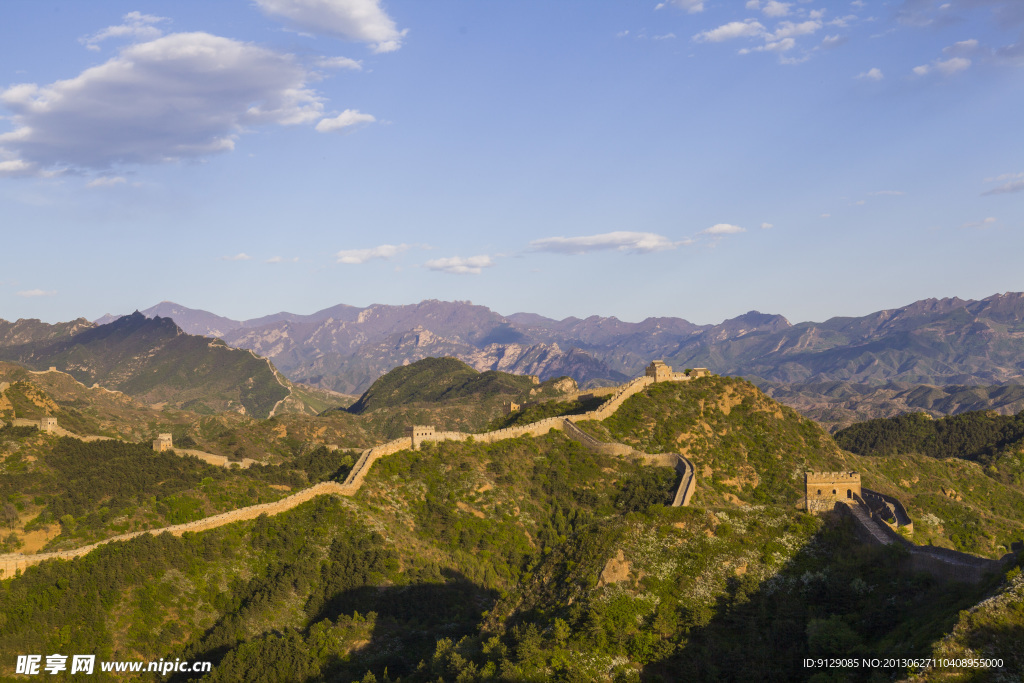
787 29
873 74
691 6
774 9
185 95
667 36
722 229
240 256
384 251
780 45
767 226
962 48
37 292
832 41
922 70
106 181
826 215
457 265
279 259
15 167
753 4
734 29
346 119
953 66
359 20
633 242
980 224
339 63
136 25
843 22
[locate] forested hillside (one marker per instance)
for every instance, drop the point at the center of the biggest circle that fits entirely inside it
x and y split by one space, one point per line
525 559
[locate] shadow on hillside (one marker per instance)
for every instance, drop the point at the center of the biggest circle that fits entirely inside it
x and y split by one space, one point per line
410 621
837 597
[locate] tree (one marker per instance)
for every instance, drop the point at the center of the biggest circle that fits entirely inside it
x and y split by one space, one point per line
9 515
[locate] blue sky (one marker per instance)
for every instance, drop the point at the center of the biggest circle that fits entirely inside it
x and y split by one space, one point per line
685 158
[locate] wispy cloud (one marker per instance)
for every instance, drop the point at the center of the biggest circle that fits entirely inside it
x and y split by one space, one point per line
767 226
339 63
384 251
240 256
281 259
873 74
1015 184
893 193
633 242
471 265
346 119
719 229
106 181
946 67
980 224
691 6
136 25
734 29
37 292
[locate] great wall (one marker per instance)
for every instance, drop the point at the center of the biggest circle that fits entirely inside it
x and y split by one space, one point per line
13 562
877 517
879 520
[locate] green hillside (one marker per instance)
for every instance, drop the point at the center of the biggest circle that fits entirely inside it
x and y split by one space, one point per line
529 559
979 435
154 361
745 446
436 380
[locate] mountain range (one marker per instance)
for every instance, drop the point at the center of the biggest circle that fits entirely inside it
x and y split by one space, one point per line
344 348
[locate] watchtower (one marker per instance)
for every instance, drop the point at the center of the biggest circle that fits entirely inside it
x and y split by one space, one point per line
48 424
659 371
509 407
162 443
824 489
419 434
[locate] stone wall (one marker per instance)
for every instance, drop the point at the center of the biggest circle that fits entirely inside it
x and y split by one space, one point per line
15 561
676 461
12 562
874 499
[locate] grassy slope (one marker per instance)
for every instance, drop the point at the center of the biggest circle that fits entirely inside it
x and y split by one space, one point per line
85 492
433 380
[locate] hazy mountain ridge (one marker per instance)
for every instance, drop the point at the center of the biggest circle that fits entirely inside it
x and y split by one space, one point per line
937 342
839 404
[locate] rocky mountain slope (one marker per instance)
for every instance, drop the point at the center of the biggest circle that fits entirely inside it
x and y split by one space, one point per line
934 342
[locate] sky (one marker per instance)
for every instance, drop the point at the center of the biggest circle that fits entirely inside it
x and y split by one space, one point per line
690 158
